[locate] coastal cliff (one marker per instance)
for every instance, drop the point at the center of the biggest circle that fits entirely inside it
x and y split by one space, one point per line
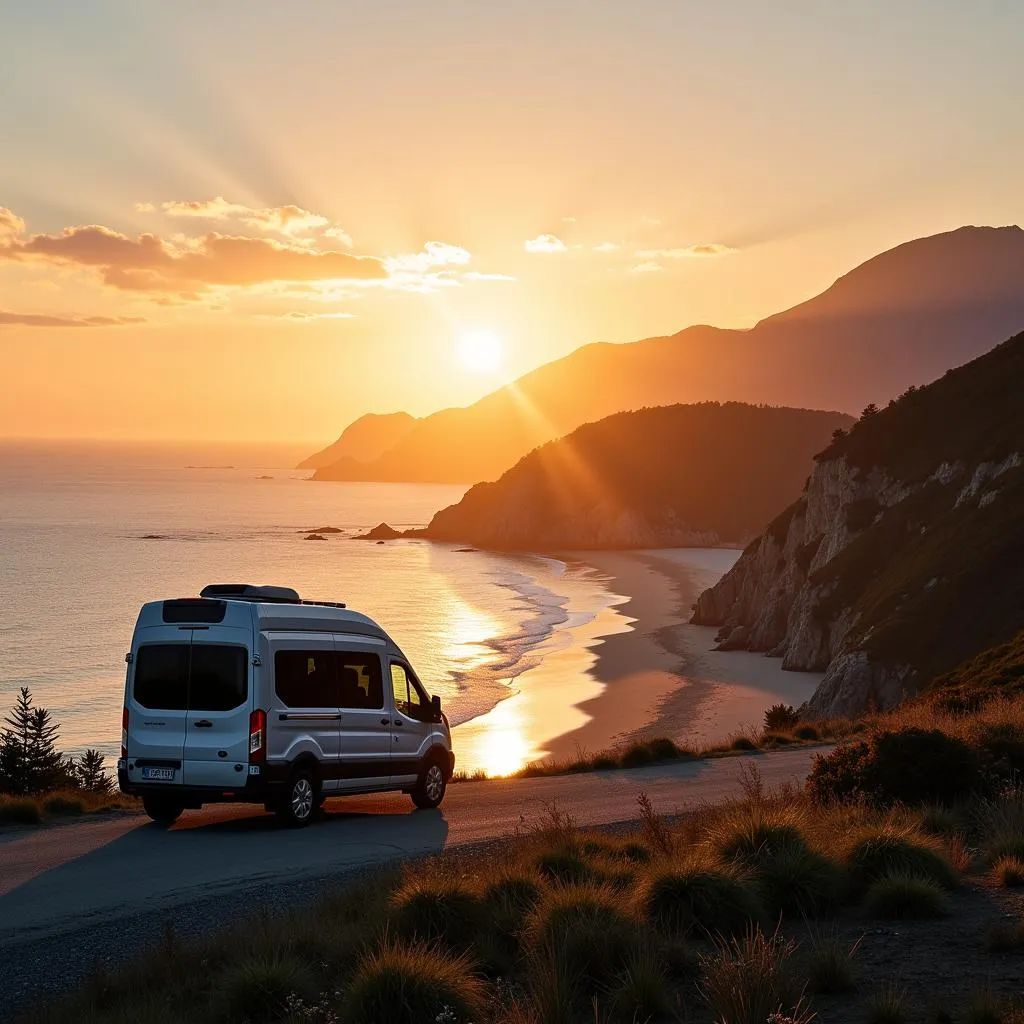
901 558
673 476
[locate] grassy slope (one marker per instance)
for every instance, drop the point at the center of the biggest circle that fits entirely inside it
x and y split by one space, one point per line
722 468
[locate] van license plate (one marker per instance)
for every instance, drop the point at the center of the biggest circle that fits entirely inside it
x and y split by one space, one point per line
158 774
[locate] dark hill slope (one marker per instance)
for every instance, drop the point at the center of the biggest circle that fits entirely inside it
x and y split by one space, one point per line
905 555
902 318
673 475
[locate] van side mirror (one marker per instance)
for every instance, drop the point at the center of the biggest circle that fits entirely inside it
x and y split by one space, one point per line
435 706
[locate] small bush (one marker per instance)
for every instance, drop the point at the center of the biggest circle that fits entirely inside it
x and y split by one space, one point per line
938 820
604 763
588 927
437 910
19 811
780 717
841 775
564 865
60 804
751 838
409 984
1005 936
748 981
516 890
806 732
905 896
706 900
801 882
830 964
640 992
876 854
636 756
742 743
1009 871
259 987
887 1006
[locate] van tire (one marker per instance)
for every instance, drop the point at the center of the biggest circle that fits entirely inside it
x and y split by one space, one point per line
298 801
163 810
431 785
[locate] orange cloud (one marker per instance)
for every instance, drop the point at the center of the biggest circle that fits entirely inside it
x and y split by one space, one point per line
10 224
286 220
36 320
149 263
684 252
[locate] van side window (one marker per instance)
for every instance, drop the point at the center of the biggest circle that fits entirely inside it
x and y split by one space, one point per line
161 676
409 696
360 680
306 679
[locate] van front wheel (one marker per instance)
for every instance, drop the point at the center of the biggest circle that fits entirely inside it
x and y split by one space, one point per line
430 786
162 810
299 800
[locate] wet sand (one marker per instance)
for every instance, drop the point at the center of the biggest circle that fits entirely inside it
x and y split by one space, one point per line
638 670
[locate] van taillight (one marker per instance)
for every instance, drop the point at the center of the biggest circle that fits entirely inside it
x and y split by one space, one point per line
124 732
257 736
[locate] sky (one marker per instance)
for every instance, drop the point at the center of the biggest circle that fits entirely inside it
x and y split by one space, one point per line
253 221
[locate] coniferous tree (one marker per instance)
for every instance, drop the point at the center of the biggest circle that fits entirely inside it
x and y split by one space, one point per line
29 759
89 773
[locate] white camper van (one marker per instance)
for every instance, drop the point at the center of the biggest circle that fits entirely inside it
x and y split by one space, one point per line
251 694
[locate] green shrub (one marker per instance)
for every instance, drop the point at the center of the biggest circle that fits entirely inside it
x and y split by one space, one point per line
437 910
806 732
517 890
776 739
751 838
743 743
19 811
590 931
636 756
260 987
665 750
60 804
410 984
905 896
709 901
1009 871
878 853
780 717
909 766
749 980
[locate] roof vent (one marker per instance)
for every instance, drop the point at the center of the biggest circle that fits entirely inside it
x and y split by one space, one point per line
249 592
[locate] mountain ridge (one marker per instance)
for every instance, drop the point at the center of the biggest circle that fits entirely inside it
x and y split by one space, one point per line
902 317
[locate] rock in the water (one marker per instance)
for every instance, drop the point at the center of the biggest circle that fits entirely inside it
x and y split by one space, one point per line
380 532
737 640
314 536
328 529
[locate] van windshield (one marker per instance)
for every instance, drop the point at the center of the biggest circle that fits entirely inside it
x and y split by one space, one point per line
191 677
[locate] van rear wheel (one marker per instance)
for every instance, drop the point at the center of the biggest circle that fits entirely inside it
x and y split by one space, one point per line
430 787
163 810
299 799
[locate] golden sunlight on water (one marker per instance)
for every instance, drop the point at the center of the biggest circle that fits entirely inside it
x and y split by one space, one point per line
466 633
501 748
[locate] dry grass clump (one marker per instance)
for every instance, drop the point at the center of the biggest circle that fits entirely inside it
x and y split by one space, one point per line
409 983
19 811
888 1006
830 963
905 896
262 987
431 908
877 853
750 980
1008 872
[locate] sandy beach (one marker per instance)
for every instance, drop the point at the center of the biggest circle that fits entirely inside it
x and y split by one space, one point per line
638 670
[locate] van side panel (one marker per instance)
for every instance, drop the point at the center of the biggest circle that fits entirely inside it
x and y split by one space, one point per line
366 711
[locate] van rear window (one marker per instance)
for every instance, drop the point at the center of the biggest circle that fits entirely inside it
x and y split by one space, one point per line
218 678
161 676
192 677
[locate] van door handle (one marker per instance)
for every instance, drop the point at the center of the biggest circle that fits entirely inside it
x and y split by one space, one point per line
203 723
396 722
385 721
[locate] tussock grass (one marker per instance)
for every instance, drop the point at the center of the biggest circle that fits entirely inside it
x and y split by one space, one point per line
62 803
429 908
888 1006
748 980
261 987
1008 872
877 853
680 898
59 804
830 963
411 983
640 992
19 811
905 896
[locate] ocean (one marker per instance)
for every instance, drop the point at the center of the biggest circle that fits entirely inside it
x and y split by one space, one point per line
90 531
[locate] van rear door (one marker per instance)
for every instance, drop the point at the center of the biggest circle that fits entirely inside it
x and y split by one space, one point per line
216 740
157 701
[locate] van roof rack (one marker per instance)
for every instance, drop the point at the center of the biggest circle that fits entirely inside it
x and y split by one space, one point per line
264 595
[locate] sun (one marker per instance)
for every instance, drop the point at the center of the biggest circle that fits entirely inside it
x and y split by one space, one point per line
479 350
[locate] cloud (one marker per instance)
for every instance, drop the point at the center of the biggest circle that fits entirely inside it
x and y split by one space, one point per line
545 243
434 254
151 264
303 317
685 252
606 247
10 223
476 275
646 268
36 320
286 220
